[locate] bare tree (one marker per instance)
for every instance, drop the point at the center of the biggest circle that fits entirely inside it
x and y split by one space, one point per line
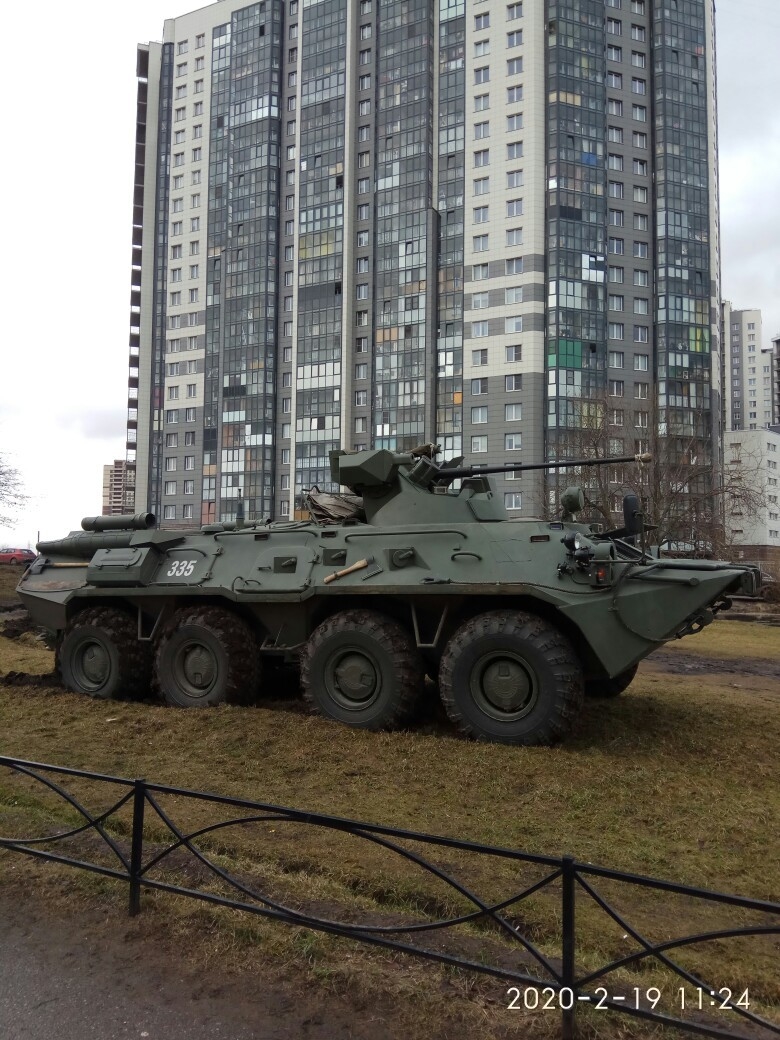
681 491
12 496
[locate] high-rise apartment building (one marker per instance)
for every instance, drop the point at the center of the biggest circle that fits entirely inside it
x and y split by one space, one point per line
748 371
376 223
117 495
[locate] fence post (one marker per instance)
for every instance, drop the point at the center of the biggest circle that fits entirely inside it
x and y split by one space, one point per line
567 948
137 846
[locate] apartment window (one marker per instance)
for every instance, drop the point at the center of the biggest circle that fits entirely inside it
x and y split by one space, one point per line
614 107
170 465
481 21
614 162
361 371
364 83
641 250
641 306
172 415
479 357
514 67
363 212
639 60
481 185
361 291
514 39
616 217
641 362
364 185
513 499
639 112
175 299
364 107
514 11
479 444
641 420
614 53
482 102
616 358
361 318
615 80
479 386
513 324
514 236
481 48
181 69
641 334
514 94
365 6
200 64
480 214
513 441
171 440
361 398
194 224
193 296
169 512
638 33
640 167
513 353
513 412
197 130
514 265
479 329
616 387
482 74
479 415
616 330
195 177
640 194
615 134
480 300
480 243
170 487
641 278
616 303
616 417
176 274
482 157
615 189
198 89
638 6
365 32
200 40
179 114
641 222
514 122
480 271
512 383
513 294
481 131
178 205
617 246
514 179
197 154
615 26
641 391
189 415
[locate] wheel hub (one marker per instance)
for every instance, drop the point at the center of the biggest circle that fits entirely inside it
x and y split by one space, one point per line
355 678
504 686
198 667
95 664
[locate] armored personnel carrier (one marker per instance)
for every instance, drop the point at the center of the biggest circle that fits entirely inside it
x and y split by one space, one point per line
424 573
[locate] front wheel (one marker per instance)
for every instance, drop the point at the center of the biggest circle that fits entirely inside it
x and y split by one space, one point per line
511 677
100 655
362 668
207 655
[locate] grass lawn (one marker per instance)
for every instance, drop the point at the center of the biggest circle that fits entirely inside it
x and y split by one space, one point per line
677 779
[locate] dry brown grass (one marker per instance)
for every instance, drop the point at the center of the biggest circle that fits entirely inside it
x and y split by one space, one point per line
676 779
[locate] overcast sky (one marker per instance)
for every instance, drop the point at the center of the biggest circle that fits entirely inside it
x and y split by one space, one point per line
69 93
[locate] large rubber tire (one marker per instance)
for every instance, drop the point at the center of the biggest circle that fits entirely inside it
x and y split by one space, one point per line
511 677
207 655
611 687
100 655
362 668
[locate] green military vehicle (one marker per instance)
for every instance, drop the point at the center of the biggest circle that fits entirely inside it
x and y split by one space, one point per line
424 573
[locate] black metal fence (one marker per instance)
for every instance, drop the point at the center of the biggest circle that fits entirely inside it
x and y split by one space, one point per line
138 839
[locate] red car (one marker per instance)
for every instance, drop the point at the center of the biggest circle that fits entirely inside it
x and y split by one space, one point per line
17 556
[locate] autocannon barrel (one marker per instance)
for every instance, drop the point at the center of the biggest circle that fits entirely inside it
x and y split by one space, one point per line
477 471
85 544
121 522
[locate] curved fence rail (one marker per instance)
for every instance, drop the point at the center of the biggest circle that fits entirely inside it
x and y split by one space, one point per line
136 839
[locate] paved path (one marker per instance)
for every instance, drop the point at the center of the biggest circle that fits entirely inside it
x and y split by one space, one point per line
96 977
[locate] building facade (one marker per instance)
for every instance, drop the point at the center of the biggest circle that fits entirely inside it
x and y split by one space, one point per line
118 497
753 455
749 391
377 223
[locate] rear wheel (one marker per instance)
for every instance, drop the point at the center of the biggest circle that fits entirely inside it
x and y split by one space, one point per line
611 687
100 655
361 668
511 677
207 655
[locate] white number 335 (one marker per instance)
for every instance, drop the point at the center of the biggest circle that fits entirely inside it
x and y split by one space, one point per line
181 568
